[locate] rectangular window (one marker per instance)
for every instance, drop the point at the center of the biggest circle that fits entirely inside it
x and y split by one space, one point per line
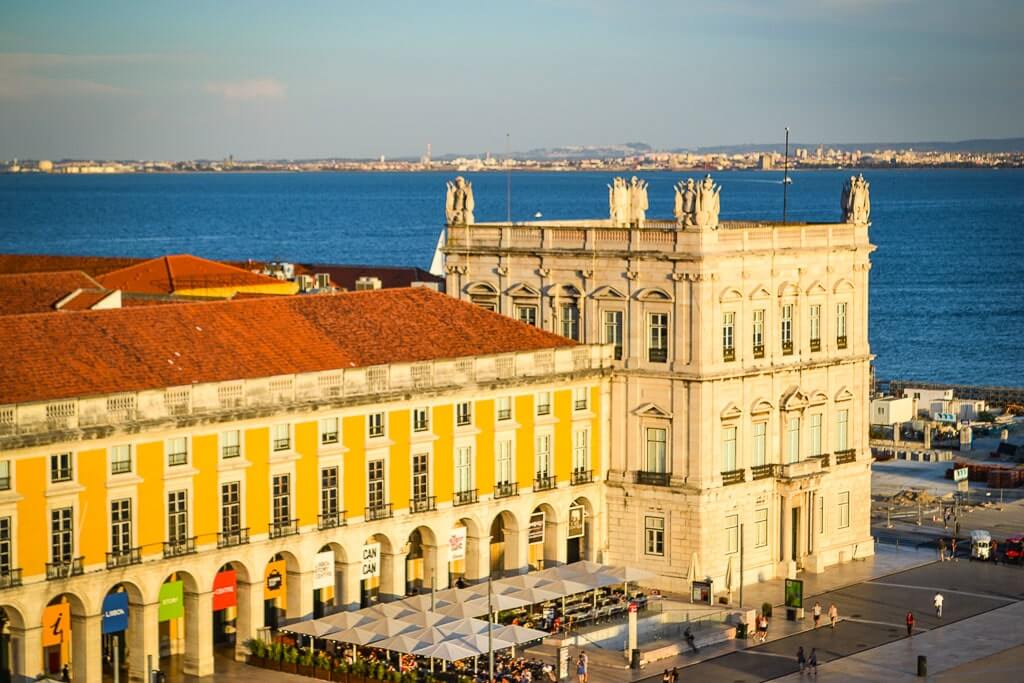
503 468
613 331
61 535
375 425
821 514
728 449
544 403
654 536
120 459
787 329
793 439
579 398
5 475
844 509
758 333
841 325
231 507
121 526
571 321
420 476
504 405
732 533
729 335
656 450
543 456
842 430
177 451
329 491
760 445
463 413
281 437
761 527
6 548
329 430
60 467
527 314
420 419
177 516
230 444
815 428
580 451
282 498
375 483
657 337
463 469
815 321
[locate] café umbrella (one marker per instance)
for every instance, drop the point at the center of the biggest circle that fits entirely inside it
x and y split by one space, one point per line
451 650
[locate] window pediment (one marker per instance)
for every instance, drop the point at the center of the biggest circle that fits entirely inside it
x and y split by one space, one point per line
730 294
521 289
760 292
816 289
843 285
652 410
789 289
844 394
563 290
731 412
761 406
608 292
481 289
653 294
794 399
817 398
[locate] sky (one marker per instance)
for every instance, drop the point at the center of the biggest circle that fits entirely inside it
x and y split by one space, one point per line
184 80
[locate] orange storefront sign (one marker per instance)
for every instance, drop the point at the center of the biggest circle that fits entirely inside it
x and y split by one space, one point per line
56 624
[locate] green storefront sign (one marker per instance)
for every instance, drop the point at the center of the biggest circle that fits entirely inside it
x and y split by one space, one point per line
172 601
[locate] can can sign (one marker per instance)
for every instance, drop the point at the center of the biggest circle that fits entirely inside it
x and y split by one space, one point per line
371 561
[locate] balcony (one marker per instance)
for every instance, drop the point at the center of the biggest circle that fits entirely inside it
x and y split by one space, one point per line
758 350
800 469
657 355
282 444
372 513
845 456
124 558
179 546
544 482
467 497
729 354
284 527
330 520
840 342
734 477
10 578
121 467
763 472
64 570
582 477
228 452
227 539
653 478
543 409
787 348
506 489
823 458
505 414
815 345
423 504
174 459
580 404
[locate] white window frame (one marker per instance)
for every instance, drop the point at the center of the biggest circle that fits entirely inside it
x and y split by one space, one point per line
757 328
330 431
658 324
543 464
729 331
760 436
581 450
793 439
504 459
116 458
69 467
543 403
843 429
814 427
278 443
580 398
225 444
654 535
732 534
730 433
663 456
760 527
375 425
464 414
527 313
171 443
613 324
844 509
463 469
421 419
503 408
814 322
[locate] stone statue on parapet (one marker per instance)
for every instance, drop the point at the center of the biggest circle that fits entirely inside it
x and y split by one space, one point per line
627 202
697 205
459 204
855 201
637 201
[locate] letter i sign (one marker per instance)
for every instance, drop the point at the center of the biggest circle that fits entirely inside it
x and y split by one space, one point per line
56 624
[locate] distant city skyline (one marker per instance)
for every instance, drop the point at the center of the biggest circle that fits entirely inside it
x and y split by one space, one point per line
108 80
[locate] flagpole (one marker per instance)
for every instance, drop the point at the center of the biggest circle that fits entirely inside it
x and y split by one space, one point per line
785 179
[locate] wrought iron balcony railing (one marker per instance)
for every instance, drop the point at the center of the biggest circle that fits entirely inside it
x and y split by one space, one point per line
653 478
763 471
10 578
845 456
506 489
582 477
330 520
177 547
841 342
729 354
464 497
65 569
284 527
544 482
124 558
423 504
758 350
227 539
374 512
733 477
815 345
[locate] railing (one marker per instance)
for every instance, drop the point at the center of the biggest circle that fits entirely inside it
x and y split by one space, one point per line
374 512
227 452
840 342
758 350
62 570
285 527
328 438
653 478
5 483
177 459
657 355
764 471
823 458
787 348
505 414
729 354
544 482
10 578
733 477
506 489
580 405
582 477
124 558
179 546
282 444
121 467
464 497
227 539
800 469
848 455
543 408
423 504
815 345
60 474
330 520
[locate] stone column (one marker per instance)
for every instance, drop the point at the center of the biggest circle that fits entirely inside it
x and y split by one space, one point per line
896 433
351 585
435 565
927 436
26 652
517 550
392 576
198 634
300 595
250 615
556 540
143 638
478 558
787 568
86 648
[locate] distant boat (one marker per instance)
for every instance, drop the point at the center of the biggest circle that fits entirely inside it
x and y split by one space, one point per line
787 180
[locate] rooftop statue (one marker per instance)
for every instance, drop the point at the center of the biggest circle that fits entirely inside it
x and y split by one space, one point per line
686 202
459 204
627 202
637 201
855 202
697 205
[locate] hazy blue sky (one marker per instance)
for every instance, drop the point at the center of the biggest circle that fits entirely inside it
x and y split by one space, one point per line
303 79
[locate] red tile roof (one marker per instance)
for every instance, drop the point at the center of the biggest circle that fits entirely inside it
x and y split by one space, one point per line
168 274
48 263
47 357
38 292
84 299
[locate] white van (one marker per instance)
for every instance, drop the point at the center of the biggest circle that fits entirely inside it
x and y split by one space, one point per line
981 545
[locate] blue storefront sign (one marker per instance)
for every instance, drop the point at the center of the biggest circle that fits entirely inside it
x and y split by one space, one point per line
115 613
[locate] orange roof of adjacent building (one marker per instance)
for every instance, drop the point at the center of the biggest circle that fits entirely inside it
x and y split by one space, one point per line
49 263
39 292
177 272
47 357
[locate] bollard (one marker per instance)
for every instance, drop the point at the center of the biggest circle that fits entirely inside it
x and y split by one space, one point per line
922 666
634 659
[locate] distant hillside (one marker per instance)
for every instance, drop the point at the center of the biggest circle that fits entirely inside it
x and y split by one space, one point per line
979 145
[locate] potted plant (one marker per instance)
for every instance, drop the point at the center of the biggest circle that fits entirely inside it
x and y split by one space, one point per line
290 660
305 663
273 656
766 609
341 672
257 651
322 670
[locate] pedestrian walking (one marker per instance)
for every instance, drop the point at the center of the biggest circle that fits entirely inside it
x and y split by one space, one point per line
675 675
666 677
833 614
812 661
65 674
942 550
937 601
910 623
690 640
801 660
816 613
952 550
581 670
762 628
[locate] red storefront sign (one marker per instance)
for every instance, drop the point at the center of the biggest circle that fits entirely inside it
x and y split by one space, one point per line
225 590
